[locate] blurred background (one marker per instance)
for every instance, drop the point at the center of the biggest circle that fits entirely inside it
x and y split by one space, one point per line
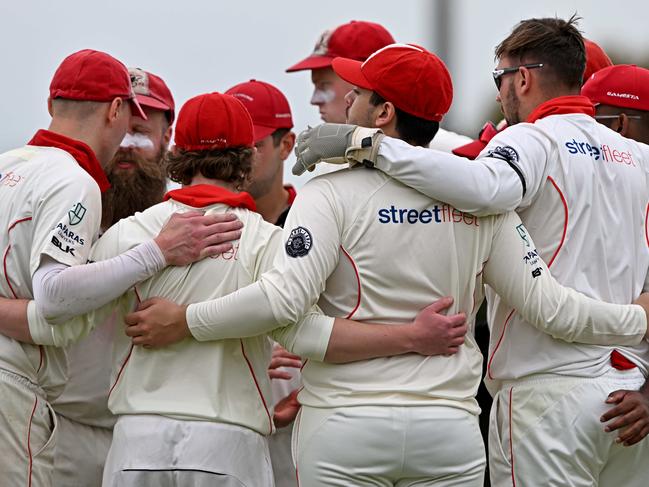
200 46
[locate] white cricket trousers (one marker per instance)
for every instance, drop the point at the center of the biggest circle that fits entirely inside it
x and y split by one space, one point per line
546 432
388 446
80 453
156 451
27 431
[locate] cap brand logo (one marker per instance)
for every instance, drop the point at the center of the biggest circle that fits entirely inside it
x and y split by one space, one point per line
139 82
322 46
244 96
218 140
282 115
623 95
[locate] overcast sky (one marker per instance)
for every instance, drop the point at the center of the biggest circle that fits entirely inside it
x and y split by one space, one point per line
210 45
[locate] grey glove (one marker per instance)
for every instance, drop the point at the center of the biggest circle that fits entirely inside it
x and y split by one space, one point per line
337 144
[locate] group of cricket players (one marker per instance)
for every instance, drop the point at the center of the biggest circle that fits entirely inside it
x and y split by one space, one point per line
231 331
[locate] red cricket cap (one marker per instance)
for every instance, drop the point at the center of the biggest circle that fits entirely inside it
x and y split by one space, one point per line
413 79
150 91
354 40
89 75
621 85
213 121
596 59
268 107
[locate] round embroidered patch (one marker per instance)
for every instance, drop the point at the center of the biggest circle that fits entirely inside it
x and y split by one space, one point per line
299 242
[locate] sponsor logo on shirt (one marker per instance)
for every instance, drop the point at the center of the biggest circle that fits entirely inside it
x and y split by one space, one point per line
67 235
59 245
435 214
76 214
232 254
603 152
522 232
299 242
11 179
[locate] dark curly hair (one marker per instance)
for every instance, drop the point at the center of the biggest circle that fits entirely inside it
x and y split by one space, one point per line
232 165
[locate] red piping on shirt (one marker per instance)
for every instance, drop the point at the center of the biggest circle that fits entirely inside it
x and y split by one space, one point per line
297 439
511 446
261 395
498 344
4 259
358 281
130 351
565 220
646 221
476 276
29 436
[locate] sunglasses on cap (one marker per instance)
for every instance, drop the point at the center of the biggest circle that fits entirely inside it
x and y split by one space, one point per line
499 73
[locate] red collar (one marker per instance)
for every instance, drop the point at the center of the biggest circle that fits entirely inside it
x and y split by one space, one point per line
292 194
562 105
81 152
201 195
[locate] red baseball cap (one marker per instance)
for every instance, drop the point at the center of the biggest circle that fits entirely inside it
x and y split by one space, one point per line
621 85
354 40
268 107
150 91
596 59
213 121
89 75
413 79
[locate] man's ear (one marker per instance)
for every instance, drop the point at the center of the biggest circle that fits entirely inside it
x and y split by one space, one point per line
622 124
286 145
384 115
50 110
524 81
115 110
166 136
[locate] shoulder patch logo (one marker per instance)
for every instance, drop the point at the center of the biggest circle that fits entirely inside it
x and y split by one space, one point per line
299 242
506 153
76 214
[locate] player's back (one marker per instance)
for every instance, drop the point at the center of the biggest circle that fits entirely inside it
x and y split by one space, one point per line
189 380
399 252
588 219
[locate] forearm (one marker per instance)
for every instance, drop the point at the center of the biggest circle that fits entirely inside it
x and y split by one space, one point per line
351 341
62 292
14 322
244 313
474 187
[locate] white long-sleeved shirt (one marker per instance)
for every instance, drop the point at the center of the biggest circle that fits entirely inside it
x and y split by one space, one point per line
364 246
222 381
581 190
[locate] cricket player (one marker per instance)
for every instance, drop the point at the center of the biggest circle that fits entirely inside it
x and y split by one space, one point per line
581 189
138 180
364 246
50 192
177 424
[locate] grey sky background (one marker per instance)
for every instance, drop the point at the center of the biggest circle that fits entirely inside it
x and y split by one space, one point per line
200 46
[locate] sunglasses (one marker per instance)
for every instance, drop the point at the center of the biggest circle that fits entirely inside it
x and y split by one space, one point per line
611 117
499 73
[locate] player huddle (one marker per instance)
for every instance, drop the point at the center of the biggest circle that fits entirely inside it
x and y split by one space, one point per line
139 324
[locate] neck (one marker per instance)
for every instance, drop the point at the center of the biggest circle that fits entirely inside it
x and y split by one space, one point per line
271 205
200 179
86 133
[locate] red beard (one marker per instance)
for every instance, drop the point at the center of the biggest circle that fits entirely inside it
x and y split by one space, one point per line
134 189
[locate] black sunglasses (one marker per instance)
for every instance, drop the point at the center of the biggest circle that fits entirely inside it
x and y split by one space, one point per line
499 73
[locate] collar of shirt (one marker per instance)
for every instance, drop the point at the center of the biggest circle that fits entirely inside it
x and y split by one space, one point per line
562 105
201 195
81 152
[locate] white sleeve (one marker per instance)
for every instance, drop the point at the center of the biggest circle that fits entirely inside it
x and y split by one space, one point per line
286 293
521 278
499 180
66 218
62 292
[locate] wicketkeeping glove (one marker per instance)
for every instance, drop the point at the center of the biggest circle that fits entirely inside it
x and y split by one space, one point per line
337 144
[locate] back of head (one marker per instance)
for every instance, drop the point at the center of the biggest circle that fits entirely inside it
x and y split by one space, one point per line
91 76
556 43
354 40
214 138
267 105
